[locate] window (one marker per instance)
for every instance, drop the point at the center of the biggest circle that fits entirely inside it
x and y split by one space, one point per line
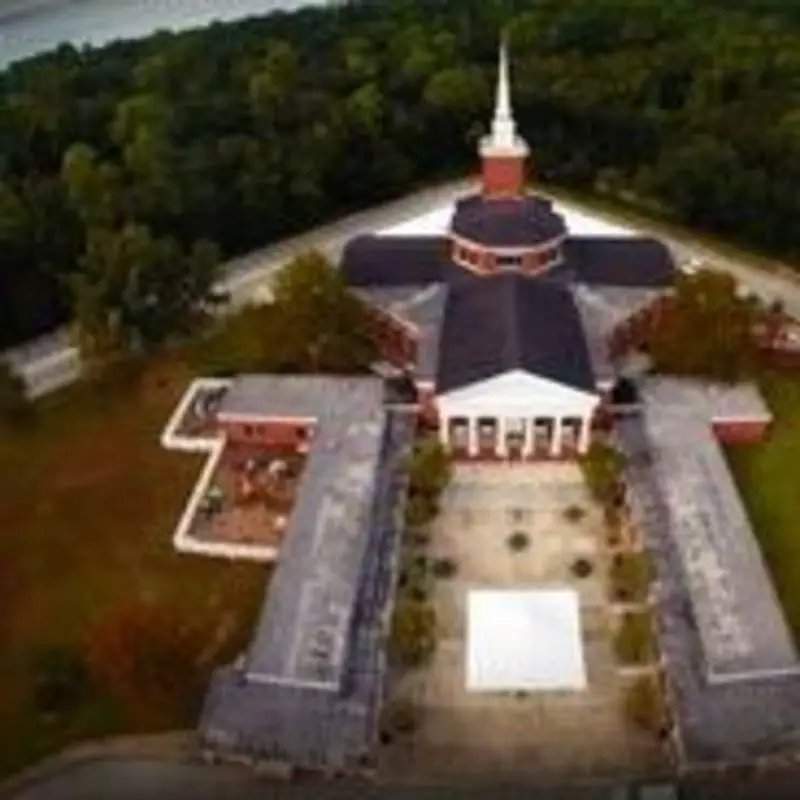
508 261
248 430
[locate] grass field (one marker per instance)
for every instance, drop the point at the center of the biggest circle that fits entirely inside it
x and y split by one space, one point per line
768 476
88 502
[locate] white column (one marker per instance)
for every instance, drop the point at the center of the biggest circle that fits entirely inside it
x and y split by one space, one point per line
555 442
527 442
584 434
501 447
444 431
472 436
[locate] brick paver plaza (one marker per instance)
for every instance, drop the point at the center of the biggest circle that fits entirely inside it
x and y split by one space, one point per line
540 735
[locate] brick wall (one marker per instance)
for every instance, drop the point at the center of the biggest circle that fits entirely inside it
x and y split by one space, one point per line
275 434
503 176
740 432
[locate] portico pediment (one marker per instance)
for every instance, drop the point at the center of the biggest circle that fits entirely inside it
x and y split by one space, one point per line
518 392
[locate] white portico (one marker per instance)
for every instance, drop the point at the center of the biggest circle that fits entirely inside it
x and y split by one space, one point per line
517 415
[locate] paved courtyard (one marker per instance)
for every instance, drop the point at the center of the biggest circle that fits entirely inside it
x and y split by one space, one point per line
518 736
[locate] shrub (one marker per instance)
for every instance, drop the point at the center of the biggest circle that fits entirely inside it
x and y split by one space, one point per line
60 679
518 541
413 639
644 705
420 510
634 642
415 577
400 716
602 468
581 568
444 568
630 577
430 468
574 513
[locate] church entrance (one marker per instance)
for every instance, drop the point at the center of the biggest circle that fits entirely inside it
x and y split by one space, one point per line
515 439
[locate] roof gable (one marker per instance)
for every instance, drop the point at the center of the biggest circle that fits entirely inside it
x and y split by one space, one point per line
507 322
518 392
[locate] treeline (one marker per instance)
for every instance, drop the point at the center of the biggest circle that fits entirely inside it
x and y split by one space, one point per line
127 172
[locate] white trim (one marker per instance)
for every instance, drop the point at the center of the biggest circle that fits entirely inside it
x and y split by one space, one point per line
721 420
170 439
182 539
459 240
556 440
236 416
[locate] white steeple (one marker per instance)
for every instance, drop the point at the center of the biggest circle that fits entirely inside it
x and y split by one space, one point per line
503 137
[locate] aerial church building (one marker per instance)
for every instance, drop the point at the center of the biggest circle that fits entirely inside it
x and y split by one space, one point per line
506 319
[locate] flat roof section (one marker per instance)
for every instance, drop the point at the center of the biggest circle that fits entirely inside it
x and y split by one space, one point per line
524 640
297 396
740 622
301 637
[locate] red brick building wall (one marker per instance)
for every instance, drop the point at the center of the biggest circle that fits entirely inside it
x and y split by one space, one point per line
396 342
503 176
740 431
275 434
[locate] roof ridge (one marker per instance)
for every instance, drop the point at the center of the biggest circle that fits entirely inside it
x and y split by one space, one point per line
512 344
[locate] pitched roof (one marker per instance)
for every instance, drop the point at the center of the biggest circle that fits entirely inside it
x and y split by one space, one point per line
507 222
507 322
394 260
619 261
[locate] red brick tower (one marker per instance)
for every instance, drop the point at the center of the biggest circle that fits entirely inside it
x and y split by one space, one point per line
503 153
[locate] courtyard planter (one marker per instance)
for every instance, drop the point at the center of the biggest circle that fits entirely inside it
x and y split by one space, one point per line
518 541
635 642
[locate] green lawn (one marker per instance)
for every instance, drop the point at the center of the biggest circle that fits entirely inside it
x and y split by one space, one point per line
769 478
89 502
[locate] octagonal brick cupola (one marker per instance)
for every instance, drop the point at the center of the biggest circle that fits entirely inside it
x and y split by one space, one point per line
504 226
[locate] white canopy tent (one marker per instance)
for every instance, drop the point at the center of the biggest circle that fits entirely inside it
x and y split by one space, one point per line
524 641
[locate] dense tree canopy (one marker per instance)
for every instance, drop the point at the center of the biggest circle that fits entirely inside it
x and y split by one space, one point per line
242 133
314 324
706 329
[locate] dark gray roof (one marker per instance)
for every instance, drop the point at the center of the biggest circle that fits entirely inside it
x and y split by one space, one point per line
317 726
301 636
524 221
507 322
394 260
618 261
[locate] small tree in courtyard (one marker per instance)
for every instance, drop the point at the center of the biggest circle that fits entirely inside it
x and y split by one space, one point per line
420 510
602 468
634 642
413 632
644 705
430 468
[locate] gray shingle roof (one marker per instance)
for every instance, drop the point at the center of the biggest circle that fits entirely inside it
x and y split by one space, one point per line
618 261
507 322
266 708
525 221
395 260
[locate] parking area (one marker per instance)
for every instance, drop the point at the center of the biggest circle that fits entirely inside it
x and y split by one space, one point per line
518 735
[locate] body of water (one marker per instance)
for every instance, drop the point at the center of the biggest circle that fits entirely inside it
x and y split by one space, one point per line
44 25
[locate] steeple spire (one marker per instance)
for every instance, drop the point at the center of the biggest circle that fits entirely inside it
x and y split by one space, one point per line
503 152
503 126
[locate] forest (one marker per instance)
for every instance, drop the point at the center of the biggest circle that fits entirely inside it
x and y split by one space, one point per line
128 173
